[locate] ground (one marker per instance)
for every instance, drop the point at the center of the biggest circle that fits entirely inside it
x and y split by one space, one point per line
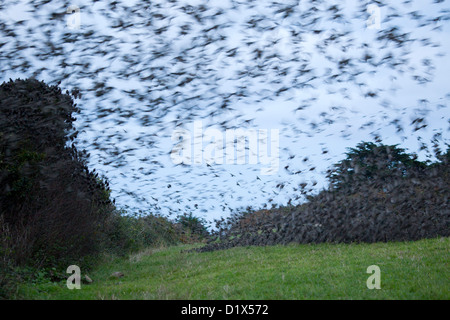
408 270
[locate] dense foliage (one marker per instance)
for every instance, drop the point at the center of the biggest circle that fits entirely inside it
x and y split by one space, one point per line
369 161
194 226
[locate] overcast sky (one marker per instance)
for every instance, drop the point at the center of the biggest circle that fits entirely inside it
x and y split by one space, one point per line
311 139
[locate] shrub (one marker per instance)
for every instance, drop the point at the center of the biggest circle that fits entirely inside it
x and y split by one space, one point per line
193 228
129 233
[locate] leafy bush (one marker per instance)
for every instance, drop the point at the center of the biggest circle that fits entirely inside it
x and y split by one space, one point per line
130 233
193 228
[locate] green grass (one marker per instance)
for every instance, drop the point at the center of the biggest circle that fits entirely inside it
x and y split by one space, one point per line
409 270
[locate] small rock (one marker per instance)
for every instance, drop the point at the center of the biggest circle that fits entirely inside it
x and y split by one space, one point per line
117 274
87 279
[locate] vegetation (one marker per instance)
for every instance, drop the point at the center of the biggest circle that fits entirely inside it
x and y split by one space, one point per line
370 162
409 270
194 226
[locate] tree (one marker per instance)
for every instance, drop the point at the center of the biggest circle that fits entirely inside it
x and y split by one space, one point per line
369 162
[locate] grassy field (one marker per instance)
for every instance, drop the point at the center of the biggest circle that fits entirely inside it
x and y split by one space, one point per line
409 270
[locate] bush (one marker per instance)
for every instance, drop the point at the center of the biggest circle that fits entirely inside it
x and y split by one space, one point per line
128 233
193 228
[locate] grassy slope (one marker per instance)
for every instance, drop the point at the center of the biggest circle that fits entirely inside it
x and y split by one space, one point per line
409 270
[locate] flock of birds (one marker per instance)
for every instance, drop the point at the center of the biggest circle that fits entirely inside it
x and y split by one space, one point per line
141 69
398 202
